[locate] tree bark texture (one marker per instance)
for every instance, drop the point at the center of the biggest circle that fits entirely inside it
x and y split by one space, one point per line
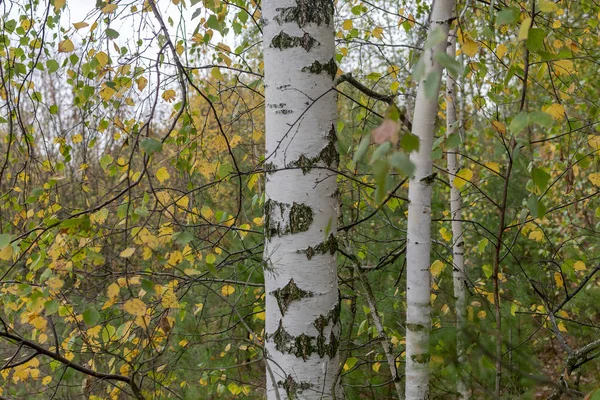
302 301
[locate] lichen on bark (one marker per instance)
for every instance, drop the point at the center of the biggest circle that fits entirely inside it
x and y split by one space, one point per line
305 345
283 41
289 293
293 218
327 246
317 67
328 157
306 12
293 388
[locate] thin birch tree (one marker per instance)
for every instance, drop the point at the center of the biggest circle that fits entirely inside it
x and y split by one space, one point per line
418 291
458 242
302 301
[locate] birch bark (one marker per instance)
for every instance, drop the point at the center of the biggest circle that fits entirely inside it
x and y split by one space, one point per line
458 242
302 301
418 291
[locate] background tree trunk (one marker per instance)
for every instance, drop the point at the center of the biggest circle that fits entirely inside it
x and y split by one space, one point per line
458 241
302 300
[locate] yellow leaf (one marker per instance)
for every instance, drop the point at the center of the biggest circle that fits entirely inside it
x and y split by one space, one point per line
46 380
347 25
595 178
162 174
128 252
376 366
80 25
6 253
216 73
499 127
106 92
594 141
141 83
169 299
183 202
563 67
446 235
493 166
191 271
558 279
109 8
102 58
377 32
350 362
547 6
26 24
77 138
258 221
169 95
58 4
436 268
179 48
211 258
462 177
561 326
135 307
536 235
206 212
55 283
227 290
66 46
501 50
524 29
556 110
470 47
113 290
579 266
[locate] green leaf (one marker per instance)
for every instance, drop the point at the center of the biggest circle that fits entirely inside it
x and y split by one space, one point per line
508 16
450 63
52 66
435 37
151 145
537 208
401 162
380 151
362 149
91 316
432 84
535 40
148 286
540 178
51 307
184 237
519 123
541 118
5 240
409 142
452 141
213 23
380 172
111 33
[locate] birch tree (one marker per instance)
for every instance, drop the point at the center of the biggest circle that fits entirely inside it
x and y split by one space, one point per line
418 316
302 300
458 242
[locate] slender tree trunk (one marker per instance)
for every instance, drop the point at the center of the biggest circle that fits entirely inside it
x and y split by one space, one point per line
302 300
458 242
418 291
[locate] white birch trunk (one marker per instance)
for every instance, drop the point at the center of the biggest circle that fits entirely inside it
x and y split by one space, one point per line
302 301
458 243
418 290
